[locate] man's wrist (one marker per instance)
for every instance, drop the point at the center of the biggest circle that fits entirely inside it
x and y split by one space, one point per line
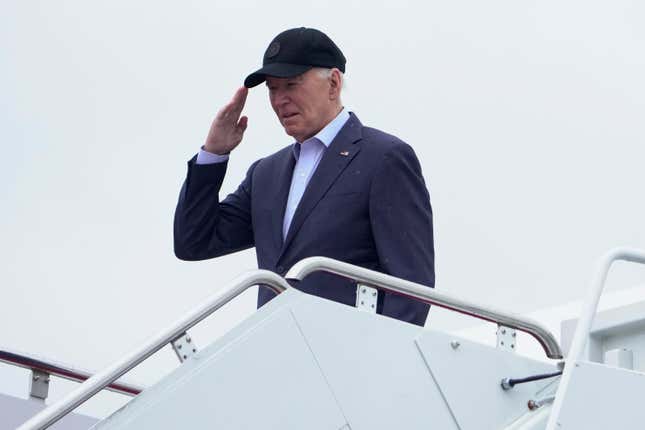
206 157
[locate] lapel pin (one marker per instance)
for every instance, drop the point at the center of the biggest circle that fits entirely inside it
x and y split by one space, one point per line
344 153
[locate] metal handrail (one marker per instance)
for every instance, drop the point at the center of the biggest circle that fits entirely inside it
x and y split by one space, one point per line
427 295
31 362
96 383
583 328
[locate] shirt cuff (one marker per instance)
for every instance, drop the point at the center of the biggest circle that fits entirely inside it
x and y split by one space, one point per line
205 157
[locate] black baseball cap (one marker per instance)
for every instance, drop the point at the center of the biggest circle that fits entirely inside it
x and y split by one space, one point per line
295 51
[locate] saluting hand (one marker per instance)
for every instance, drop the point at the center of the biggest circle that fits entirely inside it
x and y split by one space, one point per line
228 128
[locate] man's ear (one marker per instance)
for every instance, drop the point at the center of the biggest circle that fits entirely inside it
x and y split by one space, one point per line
335 84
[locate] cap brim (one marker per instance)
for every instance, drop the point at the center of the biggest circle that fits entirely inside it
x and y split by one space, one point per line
279 70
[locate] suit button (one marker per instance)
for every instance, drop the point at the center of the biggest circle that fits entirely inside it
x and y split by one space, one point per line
280 270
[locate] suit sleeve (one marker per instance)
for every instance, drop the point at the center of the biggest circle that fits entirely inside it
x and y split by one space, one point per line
205 227
401 220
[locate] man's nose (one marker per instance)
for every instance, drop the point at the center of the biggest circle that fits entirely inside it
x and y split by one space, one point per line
281 98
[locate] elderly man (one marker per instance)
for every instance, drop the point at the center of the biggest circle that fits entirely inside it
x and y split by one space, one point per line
342 190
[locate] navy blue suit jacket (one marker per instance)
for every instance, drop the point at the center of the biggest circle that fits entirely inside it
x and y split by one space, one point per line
366 204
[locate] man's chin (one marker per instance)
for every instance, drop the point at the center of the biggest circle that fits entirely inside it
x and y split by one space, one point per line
291 132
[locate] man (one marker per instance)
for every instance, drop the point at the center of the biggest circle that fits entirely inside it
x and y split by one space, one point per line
342 190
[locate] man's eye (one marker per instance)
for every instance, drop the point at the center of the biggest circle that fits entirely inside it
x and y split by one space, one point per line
292 83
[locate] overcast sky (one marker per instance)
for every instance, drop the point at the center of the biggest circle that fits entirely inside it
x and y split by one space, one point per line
527 117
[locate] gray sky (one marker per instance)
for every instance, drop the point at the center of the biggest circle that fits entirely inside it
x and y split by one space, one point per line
527 118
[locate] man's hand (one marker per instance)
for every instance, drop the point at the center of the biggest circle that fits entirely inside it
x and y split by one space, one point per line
228 128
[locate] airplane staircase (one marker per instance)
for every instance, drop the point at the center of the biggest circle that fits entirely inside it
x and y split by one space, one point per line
305 362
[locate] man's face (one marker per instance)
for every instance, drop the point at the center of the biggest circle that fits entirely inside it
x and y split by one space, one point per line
304 104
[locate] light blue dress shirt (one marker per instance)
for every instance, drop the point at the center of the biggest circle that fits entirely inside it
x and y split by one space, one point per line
307 154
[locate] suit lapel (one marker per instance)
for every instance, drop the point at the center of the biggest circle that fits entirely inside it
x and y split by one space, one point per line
341 151
283 181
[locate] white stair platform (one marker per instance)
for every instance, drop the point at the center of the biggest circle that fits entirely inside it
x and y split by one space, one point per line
305 362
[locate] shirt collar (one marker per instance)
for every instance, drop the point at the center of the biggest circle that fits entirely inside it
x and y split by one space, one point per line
327 134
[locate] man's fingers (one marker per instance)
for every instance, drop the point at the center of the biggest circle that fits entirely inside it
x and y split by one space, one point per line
239 99
228 128
242 124
232 110
240 95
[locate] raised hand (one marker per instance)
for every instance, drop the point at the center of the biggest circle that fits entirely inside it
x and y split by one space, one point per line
228 128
